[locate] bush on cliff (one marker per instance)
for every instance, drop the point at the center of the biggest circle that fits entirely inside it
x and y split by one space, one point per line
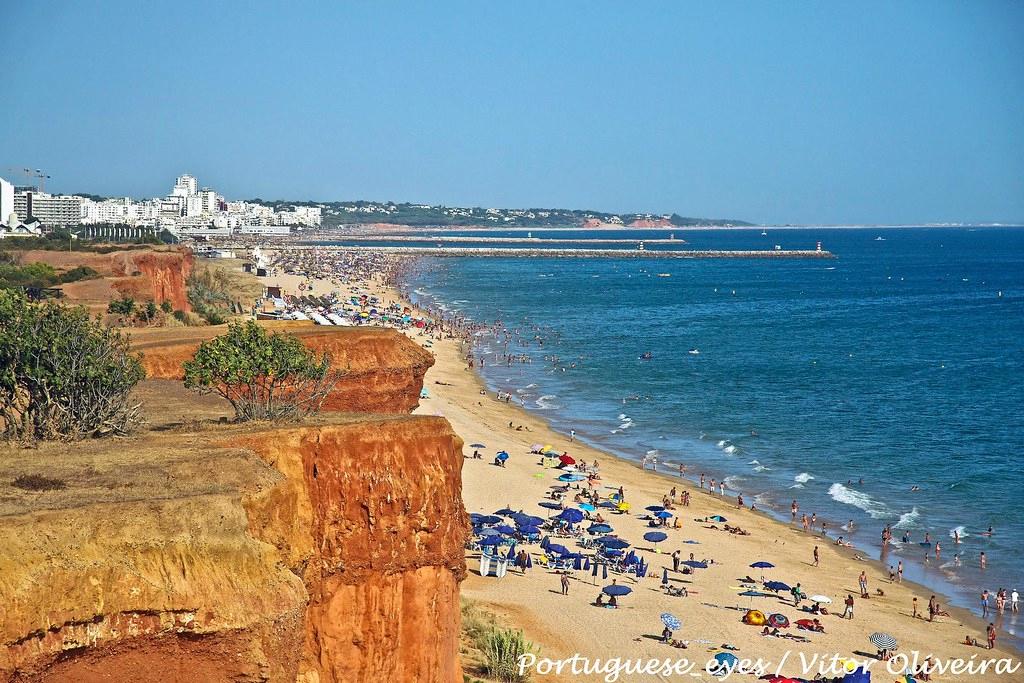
503 650
263 376
63 375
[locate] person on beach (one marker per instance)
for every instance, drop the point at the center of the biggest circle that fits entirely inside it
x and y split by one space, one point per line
565 583
932 608
899 572
982 560
984 603
702 480
913 605
991 635
675 561
739 501
1013 601
863 582
721 488
572 435
848 612
793 508
816 558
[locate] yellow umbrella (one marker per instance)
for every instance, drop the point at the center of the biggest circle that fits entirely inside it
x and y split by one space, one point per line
624 507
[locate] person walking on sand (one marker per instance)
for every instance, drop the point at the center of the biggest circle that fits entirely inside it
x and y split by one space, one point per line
933 607
899 572
565 583
675 561
913 605
991 635
816 558
739 501
1013 601
863 581
572 435
702 481
848 612
984 603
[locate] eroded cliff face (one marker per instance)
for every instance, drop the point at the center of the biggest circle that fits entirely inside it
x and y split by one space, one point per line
320 553
383 369
160 276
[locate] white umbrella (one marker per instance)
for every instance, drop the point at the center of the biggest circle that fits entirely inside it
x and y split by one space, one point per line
821 598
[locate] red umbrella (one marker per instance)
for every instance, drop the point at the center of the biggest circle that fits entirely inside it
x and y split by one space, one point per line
566 460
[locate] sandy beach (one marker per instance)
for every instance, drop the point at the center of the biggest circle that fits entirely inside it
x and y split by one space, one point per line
562 626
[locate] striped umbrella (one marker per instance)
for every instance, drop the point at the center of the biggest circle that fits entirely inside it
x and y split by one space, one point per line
883 641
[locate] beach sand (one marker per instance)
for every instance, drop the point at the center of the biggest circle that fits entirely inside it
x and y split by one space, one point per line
562 626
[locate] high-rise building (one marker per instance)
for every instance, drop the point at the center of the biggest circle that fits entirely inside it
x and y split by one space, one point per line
6 200
185 186
52 210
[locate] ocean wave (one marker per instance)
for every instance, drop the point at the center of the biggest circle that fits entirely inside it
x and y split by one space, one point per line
797 486
803 478
761 468
763 500
959 530
754 462
730 449
546 402
908 520
732 482
722 444
622 416
530 386
857 499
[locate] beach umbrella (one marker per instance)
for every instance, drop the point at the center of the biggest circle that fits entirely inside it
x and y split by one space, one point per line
717 518
545 542
505 529
654 508
624 507
779 620
776 586
477 445
550 505
599 528
528 520
588 507
488 532
502 455
505 512
695 564
762 565
604 571
613 553
566 459
529 530
594 571
571 477
489 519
821 598
571 515
558 549
607 504
491 540
655 536
755 594
724 663
664 576
474 516
883 641
664 514
529 562
586 563
612 542
641 570
616 589
671 621
547 448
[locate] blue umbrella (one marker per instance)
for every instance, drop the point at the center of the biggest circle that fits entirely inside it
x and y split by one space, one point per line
586 563
613 553
725 662
717 518
599 528
474 516
607 504
616 589
612 542
528 520
491 540
655 508
502 455
655 536
545 542
571 515
529 530
776 586
477 445
550 505
571 477
506 529
529 562
588 507
489 532
489 519
664 514
504 512
641 571
577 563
594 572
695 564
558 549
671 621
762 565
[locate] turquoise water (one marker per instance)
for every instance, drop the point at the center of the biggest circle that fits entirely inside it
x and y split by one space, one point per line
899 363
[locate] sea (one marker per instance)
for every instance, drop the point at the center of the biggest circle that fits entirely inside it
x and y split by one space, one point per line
884 386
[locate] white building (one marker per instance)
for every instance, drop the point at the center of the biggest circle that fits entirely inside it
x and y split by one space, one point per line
185 186
264 230
6 200
52 210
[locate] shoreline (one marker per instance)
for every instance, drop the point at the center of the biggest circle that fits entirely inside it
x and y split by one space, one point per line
530 602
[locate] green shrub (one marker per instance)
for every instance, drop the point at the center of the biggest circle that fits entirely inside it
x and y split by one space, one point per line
123 306
166 306
263 376
502 649
63 375
79 273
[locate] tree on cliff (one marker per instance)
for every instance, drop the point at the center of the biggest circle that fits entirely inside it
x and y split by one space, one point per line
263 376
63 375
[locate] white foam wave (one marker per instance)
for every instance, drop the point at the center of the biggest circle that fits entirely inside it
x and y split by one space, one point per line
960 530
730 449
732 482
754 462
546 402
857 499
761 468
622 416
908 520
530 386
722 444
803 478
797 486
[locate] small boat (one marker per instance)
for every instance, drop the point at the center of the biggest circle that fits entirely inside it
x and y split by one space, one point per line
664 274
879 239
646 355
694 352
764 233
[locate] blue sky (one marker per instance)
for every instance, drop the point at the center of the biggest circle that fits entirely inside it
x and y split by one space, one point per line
771 112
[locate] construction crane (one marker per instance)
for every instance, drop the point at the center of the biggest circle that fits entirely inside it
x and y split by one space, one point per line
33 176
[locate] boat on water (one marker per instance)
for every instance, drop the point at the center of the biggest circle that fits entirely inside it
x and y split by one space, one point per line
764 233
694 352
664 274
879 239
646 355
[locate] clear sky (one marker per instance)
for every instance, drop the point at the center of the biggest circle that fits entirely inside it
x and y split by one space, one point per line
773 112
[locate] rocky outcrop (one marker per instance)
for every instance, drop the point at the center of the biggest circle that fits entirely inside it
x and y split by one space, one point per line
383 369
160 276
325 552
